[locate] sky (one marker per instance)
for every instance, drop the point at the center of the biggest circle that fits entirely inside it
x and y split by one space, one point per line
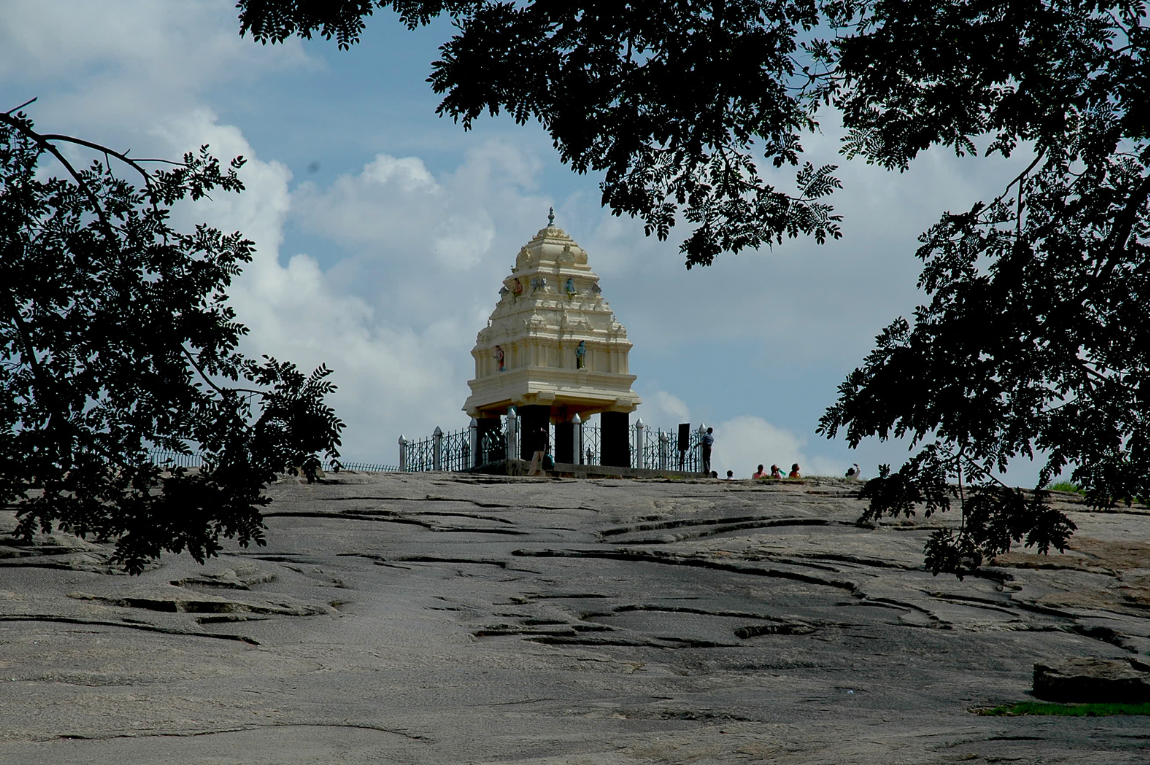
384 232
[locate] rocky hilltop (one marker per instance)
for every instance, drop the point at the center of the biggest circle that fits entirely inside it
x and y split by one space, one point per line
444 618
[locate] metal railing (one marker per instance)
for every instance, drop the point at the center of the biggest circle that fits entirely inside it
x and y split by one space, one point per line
467 448
659 449
455 450
420 456
360 467
168 458
590 454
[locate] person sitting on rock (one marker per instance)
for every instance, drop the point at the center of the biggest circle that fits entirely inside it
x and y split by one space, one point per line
853 472
775 472
794 471
759 473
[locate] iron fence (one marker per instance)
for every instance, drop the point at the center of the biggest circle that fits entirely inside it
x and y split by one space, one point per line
651 448
168 459
358 467
420 455
591 453
455 450
661 450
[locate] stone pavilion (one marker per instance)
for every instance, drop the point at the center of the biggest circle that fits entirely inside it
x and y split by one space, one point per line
554 350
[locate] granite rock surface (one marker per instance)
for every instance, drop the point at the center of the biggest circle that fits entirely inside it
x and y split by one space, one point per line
443 618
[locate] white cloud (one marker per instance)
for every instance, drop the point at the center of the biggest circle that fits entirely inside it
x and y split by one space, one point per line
113 63
800 302
661 409
393 377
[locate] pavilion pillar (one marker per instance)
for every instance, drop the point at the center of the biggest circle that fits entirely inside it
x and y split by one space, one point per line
534 422
614 439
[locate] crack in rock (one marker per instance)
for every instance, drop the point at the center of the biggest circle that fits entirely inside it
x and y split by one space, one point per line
1104 634
493 505
389 517
435 559
909 607
639 556
176 604
588 641
867 562
684 610
558 596
755 630
974 602
566 630
239 578
240 729
734 521
132 625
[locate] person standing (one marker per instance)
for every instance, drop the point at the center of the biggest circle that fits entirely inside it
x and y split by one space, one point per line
708 441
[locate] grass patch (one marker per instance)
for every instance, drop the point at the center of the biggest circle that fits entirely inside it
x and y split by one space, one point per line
1066 710
1076 489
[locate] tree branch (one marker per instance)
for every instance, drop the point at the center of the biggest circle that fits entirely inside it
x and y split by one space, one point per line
203 375
21 106
109 234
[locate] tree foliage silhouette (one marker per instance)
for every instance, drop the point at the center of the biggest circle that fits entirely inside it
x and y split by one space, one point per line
676 110
1036 337
116 339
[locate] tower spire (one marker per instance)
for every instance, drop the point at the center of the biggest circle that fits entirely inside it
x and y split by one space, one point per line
550 217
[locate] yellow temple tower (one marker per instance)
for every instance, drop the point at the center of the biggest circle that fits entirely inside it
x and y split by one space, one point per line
554 350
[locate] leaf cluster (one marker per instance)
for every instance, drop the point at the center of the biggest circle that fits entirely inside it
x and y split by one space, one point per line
686 108
276 20
1036 340
116 338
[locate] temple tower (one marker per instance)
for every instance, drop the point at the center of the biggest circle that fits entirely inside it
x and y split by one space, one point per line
553 349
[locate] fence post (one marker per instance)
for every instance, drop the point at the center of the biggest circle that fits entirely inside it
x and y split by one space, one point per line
473 439
512 434
437 449
664 448
577 438
640 460
402 454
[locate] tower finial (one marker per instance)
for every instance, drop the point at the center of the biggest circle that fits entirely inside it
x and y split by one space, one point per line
550 217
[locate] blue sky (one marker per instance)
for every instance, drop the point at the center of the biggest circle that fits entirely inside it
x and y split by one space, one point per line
384 232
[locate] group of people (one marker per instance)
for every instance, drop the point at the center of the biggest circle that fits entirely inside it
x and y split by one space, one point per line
776 473
708 442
